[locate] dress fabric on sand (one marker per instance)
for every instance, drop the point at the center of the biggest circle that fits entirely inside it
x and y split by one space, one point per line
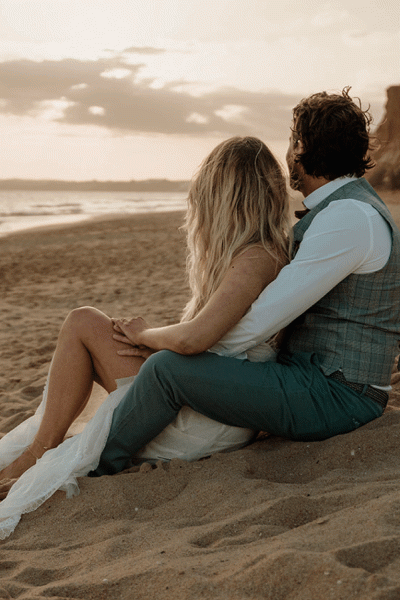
190 437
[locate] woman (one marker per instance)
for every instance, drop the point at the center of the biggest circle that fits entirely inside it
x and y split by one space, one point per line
237 224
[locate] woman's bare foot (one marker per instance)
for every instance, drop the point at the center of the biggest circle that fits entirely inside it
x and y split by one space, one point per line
18 466
5 486
24 462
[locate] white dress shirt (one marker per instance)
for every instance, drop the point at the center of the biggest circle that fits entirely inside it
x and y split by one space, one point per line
348 236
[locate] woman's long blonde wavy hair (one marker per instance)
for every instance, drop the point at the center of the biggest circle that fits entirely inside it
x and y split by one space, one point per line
237 199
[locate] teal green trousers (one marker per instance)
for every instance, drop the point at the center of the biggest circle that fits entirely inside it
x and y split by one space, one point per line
290 398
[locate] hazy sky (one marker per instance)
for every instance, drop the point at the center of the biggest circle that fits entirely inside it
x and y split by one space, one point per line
134 89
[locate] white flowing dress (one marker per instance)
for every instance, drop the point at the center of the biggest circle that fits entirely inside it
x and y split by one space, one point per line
190 437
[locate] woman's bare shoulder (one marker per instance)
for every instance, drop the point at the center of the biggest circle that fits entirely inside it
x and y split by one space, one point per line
259 252
257 258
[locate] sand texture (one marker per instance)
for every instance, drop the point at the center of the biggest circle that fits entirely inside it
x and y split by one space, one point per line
277 520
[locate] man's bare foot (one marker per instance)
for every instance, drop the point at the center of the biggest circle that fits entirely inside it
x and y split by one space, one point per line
5 486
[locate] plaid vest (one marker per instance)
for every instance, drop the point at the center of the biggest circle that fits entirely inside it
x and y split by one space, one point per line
356 326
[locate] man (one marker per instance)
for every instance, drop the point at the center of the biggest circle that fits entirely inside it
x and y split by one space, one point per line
340 294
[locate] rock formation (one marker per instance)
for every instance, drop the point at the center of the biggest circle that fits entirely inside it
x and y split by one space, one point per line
386 173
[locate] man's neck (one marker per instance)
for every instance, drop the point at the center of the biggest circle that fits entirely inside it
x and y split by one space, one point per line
309 184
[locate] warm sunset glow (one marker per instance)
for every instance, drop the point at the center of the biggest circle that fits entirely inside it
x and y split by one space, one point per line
130 89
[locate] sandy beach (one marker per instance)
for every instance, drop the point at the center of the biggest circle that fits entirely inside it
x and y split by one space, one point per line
278 520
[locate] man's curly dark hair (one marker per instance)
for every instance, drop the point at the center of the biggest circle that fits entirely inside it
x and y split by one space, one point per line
334 131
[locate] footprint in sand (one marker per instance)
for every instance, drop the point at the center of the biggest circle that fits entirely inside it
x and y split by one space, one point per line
268 521
371 556
37 577
32 391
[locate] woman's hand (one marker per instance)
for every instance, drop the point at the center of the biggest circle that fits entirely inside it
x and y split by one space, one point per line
128 330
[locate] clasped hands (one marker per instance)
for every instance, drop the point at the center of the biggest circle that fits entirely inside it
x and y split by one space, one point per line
128 331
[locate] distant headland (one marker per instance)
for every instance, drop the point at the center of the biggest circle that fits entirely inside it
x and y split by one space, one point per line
53 185
386 173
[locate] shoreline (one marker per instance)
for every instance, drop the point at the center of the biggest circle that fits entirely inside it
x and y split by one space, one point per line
390 197
72 220
83 220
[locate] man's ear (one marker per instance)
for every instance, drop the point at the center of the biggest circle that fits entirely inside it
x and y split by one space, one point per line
298 150
298 147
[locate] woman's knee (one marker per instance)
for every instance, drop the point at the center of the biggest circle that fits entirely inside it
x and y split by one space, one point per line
84 320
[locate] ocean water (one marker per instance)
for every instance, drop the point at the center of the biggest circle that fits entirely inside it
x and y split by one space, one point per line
26 209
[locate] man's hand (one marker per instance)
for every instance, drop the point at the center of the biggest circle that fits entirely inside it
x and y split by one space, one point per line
142 351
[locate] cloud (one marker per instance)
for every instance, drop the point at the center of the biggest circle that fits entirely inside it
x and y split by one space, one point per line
329 16
143 50
127 104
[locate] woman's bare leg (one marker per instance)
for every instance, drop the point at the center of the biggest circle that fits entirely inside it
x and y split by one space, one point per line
85 352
